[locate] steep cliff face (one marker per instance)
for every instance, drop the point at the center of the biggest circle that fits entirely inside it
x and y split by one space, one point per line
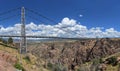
77 52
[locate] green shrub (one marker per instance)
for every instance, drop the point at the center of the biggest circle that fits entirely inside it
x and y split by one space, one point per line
1 39
4 41
56 67
27 58
96 61
78 70
10 40
100 60
19 66
3 44
50 65
112 61
59 67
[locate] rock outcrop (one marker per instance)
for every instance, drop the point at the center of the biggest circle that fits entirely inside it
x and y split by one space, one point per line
77 52
7 61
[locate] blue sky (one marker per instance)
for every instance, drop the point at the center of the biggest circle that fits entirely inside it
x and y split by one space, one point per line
94 13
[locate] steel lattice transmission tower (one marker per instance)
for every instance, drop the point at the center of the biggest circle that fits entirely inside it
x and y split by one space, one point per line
23 44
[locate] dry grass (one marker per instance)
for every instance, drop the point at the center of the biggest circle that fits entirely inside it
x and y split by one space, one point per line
29 66
112 68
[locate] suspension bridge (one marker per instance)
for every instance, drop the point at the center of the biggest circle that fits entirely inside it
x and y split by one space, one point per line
23 36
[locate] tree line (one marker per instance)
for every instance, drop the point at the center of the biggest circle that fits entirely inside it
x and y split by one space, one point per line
7 41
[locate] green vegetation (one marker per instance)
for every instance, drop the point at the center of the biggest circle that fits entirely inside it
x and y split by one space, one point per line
119 67
96 61
3 41
112 61
100 60
6 42
50 65
10 40
19 66
59 67
0 39
27 59
6 45
56 67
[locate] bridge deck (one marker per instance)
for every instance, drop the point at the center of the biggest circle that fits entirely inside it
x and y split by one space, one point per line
29 36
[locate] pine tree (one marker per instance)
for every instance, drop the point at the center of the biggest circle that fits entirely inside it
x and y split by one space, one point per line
10 40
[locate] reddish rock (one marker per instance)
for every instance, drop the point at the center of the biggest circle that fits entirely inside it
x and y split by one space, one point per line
5 66
102 67
77 52
8 57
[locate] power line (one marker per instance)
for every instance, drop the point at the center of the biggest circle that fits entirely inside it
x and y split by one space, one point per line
32 11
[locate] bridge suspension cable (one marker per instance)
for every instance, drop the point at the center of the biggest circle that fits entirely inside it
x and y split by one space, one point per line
62 28
9 11
32 17
28 16
10 17
37 13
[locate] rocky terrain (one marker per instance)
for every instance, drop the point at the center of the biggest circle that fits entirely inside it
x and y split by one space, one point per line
75 53
6 61
8 58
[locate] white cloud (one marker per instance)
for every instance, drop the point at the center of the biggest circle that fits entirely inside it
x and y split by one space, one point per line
66 22
66 28
80 15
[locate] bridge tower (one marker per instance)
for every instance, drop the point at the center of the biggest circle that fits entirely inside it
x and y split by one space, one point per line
23 44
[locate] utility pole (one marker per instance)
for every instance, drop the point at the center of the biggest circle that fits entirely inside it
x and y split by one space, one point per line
23 44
